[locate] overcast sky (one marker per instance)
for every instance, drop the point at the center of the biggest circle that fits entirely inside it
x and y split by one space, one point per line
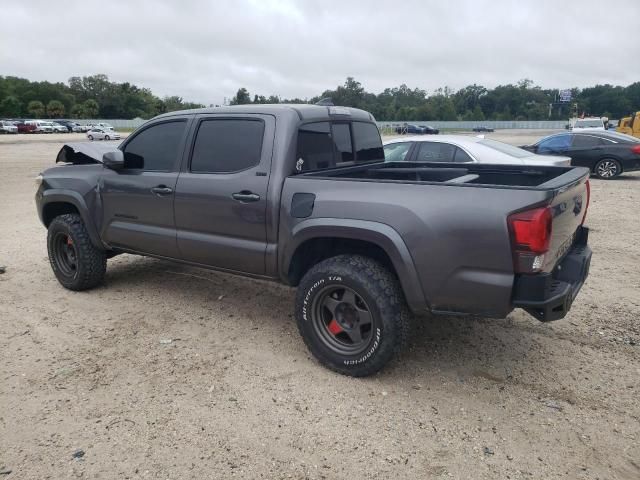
205 50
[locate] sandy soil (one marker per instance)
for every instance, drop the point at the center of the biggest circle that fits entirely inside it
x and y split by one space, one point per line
172 372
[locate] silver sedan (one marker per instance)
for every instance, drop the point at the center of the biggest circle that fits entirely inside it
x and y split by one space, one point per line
464 149
100 134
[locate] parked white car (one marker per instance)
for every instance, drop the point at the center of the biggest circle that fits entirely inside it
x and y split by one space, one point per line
8 127
588 124
102 134
464 149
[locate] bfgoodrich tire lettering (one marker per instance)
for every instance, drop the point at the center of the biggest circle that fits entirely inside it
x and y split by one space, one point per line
351 314
76 262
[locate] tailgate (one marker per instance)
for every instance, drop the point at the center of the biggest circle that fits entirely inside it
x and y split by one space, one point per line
568 208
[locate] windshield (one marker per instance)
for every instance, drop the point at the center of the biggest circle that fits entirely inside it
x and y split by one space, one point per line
505 148
396 152
588 123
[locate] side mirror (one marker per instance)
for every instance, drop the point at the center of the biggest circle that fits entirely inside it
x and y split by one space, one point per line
113 160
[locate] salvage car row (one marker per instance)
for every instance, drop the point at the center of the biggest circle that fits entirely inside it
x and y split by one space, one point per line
47 126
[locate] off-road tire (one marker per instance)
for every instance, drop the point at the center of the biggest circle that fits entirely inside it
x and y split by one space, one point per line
91 262
379 289
607 168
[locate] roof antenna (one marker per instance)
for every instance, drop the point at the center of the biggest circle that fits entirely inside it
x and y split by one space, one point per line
325 102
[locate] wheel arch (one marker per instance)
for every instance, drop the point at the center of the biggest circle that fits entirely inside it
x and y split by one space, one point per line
608 157
317 239
60 202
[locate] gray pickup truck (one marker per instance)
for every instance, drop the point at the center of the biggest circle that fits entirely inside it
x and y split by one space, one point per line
301 194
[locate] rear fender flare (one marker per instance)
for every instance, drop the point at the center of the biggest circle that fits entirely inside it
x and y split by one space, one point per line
379 234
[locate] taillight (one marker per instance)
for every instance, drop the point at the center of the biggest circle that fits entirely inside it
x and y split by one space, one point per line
586 207
530 238
636 149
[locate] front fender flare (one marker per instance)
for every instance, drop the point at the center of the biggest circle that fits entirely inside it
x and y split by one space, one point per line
379 234
75 199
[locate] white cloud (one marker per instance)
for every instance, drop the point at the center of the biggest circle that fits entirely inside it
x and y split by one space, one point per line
204 51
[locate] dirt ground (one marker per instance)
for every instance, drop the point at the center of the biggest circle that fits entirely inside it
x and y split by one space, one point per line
172 372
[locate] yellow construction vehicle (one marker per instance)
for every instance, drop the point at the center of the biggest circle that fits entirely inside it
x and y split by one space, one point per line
630 125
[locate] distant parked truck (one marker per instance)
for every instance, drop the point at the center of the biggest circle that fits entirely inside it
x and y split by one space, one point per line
40 126
588 124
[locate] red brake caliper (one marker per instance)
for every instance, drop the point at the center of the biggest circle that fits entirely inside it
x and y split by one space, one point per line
333 327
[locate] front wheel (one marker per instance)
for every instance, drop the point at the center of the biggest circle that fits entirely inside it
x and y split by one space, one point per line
607 168
352 315
106 137
76 262
91 137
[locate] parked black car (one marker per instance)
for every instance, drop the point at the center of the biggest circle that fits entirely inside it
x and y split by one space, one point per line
416 129
482 128
427 130
606 154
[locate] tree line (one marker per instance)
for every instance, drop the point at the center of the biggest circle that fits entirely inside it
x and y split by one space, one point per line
95 96
522 101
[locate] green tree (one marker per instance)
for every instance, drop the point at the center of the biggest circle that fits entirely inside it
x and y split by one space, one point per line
11 107
90 108
77 111
242 97
55 109
477 114
36 108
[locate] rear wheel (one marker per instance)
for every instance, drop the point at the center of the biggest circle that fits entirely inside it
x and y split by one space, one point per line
607 168
352 315
76 262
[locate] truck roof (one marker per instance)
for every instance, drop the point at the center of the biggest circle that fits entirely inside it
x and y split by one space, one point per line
304 111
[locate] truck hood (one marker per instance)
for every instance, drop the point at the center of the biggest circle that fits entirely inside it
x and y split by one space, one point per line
83 153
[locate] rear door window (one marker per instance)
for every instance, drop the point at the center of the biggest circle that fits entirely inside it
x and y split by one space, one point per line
435 152
227 145
585 141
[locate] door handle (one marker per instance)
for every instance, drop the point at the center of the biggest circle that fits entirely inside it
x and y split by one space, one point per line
246 196
162 190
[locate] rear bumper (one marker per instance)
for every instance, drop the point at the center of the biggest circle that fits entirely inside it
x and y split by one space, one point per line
549 296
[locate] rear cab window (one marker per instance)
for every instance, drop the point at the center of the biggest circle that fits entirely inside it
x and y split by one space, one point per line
323 145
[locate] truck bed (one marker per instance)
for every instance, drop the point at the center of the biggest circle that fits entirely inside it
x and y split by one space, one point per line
509 176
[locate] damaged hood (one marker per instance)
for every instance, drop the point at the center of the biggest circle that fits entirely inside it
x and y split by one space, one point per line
83 153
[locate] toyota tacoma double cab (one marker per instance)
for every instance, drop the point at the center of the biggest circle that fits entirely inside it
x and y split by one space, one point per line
301 194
